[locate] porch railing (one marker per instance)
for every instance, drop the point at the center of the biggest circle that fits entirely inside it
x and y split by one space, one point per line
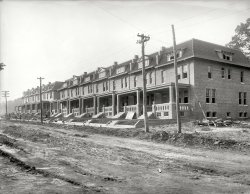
64 111
90 110
161 107
107 110
130 108
76 111
184 107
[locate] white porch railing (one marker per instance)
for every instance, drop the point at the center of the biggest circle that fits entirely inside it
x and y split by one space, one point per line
130 108
107 110
76 111
64 111
90 110
33 111
184 107
162 110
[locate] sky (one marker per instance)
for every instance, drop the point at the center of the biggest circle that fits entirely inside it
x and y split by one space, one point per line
59 39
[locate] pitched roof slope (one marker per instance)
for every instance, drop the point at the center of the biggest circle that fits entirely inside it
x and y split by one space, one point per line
207 50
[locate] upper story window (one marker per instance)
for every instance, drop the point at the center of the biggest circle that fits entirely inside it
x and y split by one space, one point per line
50 94
150 78
242 76
120 70
185 71
225 55
229 73
114 86
87 79
243 98
170 56
162 76
126 82
122 83
209 73
222 72
96 88
90 89
102 74
82 90
210 95
179 72
146 63
135 81
185 96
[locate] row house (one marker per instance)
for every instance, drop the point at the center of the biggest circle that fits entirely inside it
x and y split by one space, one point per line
213 80
31 99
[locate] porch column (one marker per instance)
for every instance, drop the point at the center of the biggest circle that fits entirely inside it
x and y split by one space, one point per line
68 106
138 103
80 106
94 102
50 107
113 104
118 104
171 94
98 105
83 109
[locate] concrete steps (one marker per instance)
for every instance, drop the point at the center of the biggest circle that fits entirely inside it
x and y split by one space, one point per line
119 115
150 116
130 115
99 115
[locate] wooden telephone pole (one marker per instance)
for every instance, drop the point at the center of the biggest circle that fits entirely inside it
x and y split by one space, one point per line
6 94
142 41
41 101
176 84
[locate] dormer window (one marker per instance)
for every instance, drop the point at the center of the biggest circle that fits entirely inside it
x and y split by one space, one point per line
225 55
120 70
170 56
87 79
146 63
102 74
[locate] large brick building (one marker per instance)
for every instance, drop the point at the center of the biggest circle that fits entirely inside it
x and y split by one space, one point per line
214 81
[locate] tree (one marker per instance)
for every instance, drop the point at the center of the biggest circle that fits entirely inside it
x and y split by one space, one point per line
241 39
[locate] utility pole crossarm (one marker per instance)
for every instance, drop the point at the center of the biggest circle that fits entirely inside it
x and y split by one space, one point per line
142 41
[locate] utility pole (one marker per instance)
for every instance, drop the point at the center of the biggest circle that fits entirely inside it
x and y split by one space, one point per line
176 84
142 41
41 101
6 94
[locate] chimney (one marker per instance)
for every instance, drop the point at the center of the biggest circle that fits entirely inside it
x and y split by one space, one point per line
49 83
157 59
136 57
85 73
115 63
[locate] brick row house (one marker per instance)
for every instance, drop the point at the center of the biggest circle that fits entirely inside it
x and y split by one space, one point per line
214 81
31 99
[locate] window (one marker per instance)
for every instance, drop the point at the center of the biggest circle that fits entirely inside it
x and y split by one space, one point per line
114 85
126 82
185 70
209 75
240 114
150 78
242 76
214 114
162 76
227 57
122 83
229 73
207 95
213 95
243 98
107 85
182 113
120 70
210 95
89 89
50 94
185 96
222 72
208 114
245 114
135 81
179 72
147 78
228 114
82 90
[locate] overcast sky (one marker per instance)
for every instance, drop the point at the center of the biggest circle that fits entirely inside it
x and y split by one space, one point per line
59 39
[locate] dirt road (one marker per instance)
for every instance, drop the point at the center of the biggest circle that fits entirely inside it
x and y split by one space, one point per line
70 161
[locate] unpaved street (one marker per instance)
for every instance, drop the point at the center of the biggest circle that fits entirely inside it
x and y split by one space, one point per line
70 161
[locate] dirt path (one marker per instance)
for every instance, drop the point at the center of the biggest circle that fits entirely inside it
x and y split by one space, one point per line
109 164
